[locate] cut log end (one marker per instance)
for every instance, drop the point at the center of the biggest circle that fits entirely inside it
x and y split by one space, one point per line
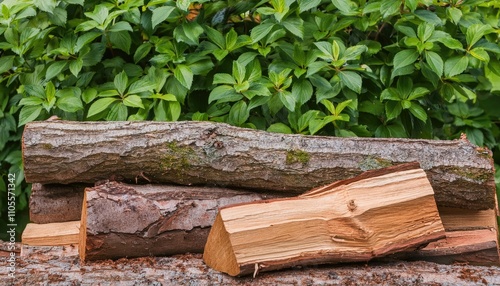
218 252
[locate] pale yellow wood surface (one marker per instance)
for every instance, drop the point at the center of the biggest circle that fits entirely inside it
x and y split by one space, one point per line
51 234
354 220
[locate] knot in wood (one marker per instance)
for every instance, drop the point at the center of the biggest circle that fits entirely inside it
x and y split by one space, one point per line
351 205
218 144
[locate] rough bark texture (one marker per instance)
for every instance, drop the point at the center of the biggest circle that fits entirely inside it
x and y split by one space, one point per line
54 266
352 220
56 203
461 174
121 220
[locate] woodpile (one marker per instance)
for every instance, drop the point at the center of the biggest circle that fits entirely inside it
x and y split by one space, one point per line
135 189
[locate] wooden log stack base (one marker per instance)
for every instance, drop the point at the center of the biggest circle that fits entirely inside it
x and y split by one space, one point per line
461 174
120 220
378 213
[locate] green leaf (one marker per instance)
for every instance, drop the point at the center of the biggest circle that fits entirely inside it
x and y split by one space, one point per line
404 58
174 110
45 5
239 72
121 40
418 111
451 43
224 78
475 33
352 80
342 5
454 14
428 17
32 100
133 101
55 69
418 92
216 37
69 103
184 75
393 109
239 113
121 82
85 39
231 38
29 113
279 128
305 5
141 85
455 65
302 91
189 33
294 25
183 4
58 16
100 105
89 95
260 31
121 26
353 53
435 62
160 14
287 99
390 94
224 93
75 66
6 63
425 31
327 49
480 54
142 51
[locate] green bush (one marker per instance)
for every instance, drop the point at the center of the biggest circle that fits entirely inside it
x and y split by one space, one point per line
381 68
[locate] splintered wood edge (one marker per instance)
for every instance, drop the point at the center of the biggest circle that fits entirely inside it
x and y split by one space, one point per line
364 176
218 253
83 228
51 234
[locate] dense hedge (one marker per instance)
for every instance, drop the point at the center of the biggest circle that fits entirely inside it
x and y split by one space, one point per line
381 68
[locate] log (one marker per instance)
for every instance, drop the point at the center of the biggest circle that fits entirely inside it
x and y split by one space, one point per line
42 266
471 237
56 203
375 214
120 220
51 234
200 153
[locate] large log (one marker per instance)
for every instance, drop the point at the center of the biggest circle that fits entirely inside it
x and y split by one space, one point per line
375 214
56 203
54 266
461 174
121 220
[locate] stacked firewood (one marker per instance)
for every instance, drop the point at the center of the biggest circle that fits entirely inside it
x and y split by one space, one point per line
255 201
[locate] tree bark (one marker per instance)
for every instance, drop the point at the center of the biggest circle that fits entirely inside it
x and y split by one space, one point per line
121 220
375 214
54 266
56 203
197 153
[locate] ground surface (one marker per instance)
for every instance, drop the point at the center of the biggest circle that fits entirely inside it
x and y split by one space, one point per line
54 266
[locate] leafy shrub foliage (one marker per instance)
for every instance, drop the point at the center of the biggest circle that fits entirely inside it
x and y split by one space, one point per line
382 68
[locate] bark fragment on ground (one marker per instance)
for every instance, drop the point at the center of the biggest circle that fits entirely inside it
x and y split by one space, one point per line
461 174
